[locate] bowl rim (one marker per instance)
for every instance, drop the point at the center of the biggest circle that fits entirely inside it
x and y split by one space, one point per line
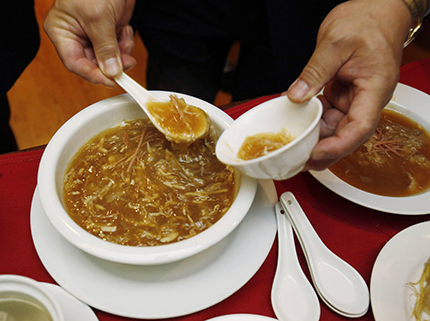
231 161
95 246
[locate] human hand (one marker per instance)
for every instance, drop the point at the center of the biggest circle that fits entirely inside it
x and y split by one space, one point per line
93 37
357 58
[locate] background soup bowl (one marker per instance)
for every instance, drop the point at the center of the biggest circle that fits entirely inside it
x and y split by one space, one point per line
24 289
89 122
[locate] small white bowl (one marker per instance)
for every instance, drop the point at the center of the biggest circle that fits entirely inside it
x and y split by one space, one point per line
89 122
300 120
20 288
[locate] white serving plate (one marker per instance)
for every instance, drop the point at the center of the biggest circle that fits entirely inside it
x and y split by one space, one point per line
242 317
73 309
163 291
400 261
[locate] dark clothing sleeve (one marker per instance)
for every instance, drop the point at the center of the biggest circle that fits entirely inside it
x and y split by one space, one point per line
19 43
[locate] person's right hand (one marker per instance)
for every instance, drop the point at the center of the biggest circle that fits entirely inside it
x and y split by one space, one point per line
93 37
357 61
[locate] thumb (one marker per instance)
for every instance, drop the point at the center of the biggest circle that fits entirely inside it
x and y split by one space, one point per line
111 66
106 49
320 69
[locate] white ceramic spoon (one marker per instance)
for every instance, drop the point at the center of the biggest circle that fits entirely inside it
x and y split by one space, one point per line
293 298
139 94
338 284
143 96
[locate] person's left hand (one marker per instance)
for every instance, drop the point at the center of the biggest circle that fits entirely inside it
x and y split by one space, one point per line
357 58
93 38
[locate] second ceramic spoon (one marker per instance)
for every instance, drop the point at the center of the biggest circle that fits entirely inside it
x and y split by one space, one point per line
338 284
293 298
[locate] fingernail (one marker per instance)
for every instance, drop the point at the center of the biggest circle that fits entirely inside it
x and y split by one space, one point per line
298 89
321 156
129 32
128 47
111 67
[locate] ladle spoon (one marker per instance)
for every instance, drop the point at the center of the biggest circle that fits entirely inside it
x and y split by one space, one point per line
139 94
199 121
338 284
293 298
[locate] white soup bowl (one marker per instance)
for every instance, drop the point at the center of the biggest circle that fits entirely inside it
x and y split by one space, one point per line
89 122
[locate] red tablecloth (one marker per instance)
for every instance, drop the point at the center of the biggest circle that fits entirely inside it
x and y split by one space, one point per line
355 233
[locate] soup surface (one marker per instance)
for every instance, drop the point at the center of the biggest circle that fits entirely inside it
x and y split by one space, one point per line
130 186
19 309
395 161
263 143
182 123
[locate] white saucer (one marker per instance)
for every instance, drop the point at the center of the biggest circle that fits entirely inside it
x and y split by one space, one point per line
73 309
242 317
400 261
163 291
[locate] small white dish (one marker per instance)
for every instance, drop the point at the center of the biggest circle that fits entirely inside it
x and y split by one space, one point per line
142 291
273 116
399 262
415 105
73 309
17 289
91 121
242 317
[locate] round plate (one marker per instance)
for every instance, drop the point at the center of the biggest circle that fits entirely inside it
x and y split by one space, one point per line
73 309
242 317
414 104
142 291
400 261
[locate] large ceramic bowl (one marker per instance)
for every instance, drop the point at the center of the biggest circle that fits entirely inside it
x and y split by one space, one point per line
302 121
83 126
30 295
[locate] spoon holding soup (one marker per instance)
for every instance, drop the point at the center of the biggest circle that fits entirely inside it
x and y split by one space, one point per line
180 122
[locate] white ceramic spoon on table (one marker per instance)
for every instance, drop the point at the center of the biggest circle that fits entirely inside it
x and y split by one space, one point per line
293 298
143 97
339 285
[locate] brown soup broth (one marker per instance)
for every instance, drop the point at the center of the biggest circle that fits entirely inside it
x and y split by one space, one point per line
130 186
395 161
22 309
261 144
179 119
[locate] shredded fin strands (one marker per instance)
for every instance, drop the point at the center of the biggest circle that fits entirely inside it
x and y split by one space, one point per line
394 161
381 143
129 185
422 292
137 150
